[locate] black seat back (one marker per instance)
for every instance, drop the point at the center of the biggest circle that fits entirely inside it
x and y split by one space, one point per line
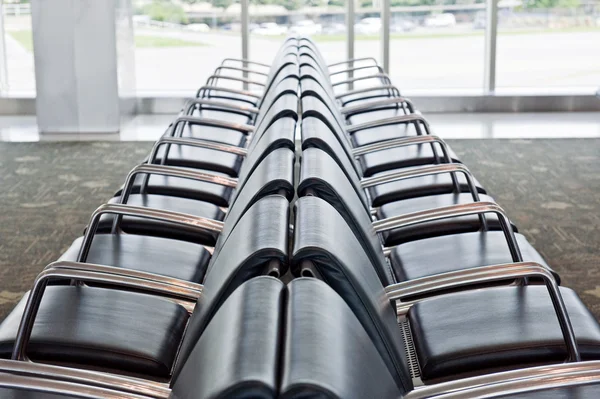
238 352
323 239
328 354
258 243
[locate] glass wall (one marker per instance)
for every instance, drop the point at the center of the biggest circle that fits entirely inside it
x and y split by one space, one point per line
549 44
18 61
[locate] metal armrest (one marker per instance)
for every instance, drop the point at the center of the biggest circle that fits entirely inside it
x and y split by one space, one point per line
177 218
377 103
243 61
534 378
447 212
410 118
379 69
382 76
214 78
246 70
420 171
58 273
62 388
191 290
203 89
191 103
479 275
393 88
85 377
194 120
353 60
403 142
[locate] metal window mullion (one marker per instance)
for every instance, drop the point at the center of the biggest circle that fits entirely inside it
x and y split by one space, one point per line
245 36
3 59
350 15
491 36
385 35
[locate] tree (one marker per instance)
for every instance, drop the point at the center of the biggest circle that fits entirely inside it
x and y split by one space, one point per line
166 12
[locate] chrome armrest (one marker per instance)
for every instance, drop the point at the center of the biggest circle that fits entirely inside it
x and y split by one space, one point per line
177 218
58 273
379 69
201 91
403 142
430 170
447 212
531 378
190 290
243 61
409 118
215 78
353 60
231 68
194 120
191 103
85 377
485 274
381 76
352 109
392 88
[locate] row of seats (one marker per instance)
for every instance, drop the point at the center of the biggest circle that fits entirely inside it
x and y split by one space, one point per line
308 239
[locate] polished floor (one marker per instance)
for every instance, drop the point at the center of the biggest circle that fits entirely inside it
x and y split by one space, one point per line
460 125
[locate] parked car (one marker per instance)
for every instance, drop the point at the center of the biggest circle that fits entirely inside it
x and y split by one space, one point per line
368 26
440 20
270 29
334 29
198 27
402 25
306 27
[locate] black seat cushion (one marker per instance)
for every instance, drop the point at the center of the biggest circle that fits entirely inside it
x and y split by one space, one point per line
418 187
328 354
200 158
179 259
93 327
135 225
185 188
448 253
497 328
435 228
401 157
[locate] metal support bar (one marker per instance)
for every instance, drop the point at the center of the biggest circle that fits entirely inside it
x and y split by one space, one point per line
350 16
245 17
385 35
491 35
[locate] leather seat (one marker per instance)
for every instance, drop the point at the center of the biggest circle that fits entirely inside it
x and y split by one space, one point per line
179 259
448 253
476 331
506 327
321 176
327 352
274 175
279 135
141 334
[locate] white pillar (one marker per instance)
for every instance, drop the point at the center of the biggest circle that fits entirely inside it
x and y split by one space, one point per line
3 61
77 65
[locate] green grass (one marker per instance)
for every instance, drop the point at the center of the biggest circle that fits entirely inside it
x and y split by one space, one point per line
25 39
143 41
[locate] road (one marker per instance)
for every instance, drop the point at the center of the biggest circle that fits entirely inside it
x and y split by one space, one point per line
541 60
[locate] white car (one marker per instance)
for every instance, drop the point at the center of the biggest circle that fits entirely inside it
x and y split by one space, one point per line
198 27
368 26
440 20
270 29
306 27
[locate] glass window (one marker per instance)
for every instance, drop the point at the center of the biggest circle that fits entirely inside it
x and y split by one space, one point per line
548 44
18 40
